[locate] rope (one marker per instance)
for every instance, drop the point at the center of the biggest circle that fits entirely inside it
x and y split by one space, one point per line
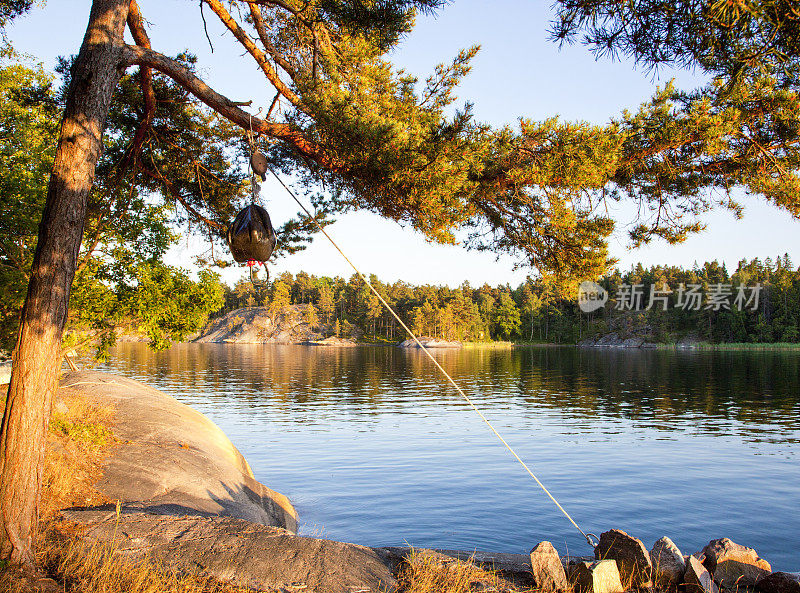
587 536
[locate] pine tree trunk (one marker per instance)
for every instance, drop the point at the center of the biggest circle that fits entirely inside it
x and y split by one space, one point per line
37 356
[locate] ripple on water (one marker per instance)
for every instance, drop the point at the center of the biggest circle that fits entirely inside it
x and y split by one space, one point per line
374 448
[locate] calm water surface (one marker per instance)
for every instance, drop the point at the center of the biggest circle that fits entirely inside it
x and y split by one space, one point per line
372 447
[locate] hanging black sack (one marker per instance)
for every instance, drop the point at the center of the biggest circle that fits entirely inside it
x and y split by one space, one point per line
251 236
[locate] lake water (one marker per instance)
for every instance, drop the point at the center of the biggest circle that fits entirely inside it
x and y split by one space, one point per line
372 446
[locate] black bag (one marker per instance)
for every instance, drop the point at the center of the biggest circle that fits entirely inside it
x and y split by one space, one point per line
251 236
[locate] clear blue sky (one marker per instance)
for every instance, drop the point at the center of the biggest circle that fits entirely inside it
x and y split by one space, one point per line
517 73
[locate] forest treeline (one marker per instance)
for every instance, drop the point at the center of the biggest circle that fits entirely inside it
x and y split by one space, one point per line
537 311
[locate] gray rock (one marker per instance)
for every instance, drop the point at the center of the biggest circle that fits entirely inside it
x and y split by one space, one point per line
172 458
600 576
668 564
238 552
780 582
734 565
546 567
257 325
697 579
632 558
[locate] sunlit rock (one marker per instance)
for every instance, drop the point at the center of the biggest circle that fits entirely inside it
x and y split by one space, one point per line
732 564
668 564
600 576
547 569
632 557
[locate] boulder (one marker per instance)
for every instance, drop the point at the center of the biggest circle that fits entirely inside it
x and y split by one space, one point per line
668 564
600 576
780 582
171 458
733 565
546 568
632 558
697 579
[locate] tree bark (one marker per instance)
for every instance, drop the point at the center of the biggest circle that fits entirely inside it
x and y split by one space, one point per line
37 356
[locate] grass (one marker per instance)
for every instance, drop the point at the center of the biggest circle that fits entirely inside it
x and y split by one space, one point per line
733 346
97 568
79 439
425 571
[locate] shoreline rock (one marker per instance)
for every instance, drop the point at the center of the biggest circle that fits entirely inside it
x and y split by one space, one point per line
172 459
333 342
430 342
633 559
733 565
668 564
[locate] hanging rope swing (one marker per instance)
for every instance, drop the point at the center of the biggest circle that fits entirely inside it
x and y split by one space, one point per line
250 236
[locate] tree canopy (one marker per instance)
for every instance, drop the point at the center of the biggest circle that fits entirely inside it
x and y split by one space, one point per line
126 234
375 138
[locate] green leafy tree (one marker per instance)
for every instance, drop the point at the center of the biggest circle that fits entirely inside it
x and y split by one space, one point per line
506 319
169 304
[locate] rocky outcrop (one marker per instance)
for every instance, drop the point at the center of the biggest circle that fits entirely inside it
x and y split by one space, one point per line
239 552
668 564
614 340
257 325
546 568
429 342
633 559
734 565
172 459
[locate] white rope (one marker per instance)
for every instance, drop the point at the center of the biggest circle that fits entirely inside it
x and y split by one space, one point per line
440 367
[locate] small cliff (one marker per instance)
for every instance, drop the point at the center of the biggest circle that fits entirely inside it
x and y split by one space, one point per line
257 325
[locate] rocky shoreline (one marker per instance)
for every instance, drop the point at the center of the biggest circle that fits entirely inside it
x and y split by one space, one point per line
188 499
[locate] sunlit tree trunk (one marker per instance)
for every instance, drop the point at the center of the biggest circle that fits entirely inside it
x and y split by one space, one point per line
37 355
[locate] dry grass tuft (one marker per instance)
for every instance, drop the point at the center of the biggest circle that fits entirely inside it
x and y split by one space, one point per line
79 439
97 568
426 571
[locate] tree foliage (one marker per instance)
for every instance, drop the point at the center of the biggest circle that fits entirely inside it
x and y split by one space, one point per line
535 311
120 279
742 129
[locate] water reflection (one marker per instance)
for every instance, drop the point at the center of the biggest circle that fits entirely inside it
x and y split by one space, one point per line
757 390
372 446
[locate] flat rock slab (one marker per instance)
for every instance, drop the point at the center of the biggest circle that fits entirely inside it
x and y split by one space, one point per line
429 342
170 456
780 582
633 559
239 552
733 565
